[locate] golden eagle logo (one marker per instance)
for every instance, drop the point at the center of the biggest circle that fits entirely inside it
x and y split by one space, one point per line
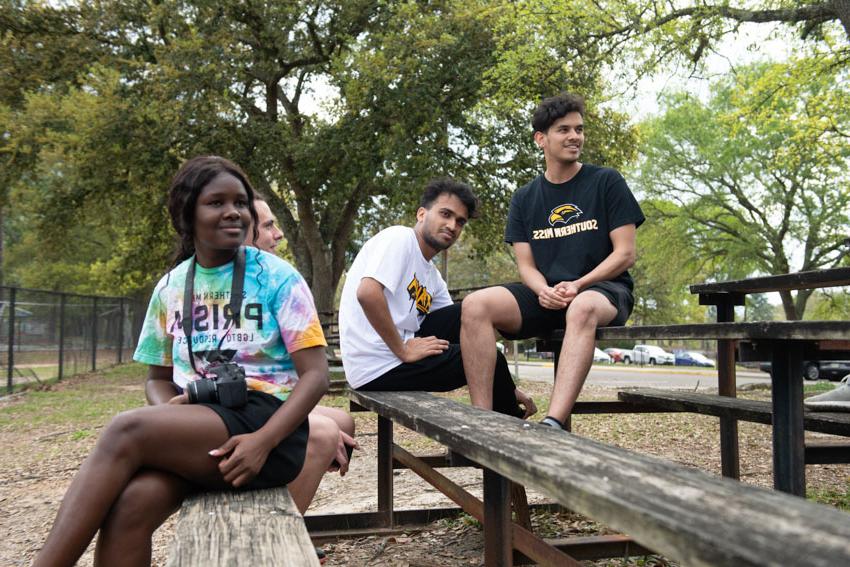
564 214
420 295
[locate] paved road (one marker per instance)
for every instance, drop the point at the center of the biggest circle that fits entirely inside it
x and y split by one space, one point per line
621 376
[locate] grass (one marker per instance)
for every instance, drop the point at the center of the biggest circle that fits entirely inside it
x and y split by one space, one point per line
835 497
44 375
79 403
818 387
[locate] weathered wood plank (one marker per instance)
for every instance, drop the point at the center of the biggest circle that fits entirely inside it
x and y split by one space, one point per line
800 280
261 527
757 411
686 514
836 332
762 330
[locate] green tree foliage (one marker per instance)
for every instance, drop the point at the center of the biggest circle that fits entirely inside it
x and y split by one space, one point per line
654 31
758 308
666 266
96 125
759 173
829 305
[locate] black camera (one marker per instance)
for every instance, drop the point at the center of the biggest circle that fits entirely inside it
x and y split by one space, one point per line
227 387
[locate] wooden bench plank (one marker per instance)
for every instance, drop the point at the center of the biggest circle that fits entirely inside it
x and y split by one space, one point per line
785 282
834 334
686 514
752 331
757 411
260 527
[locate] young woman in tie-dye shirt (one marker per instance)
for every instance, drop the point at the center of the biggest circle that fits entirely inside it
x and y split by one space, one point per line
147 460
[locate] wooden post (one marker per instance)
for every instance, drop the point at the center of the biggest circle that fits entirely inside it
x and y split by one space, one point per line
498 540
385 470
726 386
519 499
726 383
789 468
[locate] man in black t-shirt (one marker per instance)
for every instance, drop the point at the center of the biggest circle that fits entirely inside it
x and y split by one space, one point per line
573 233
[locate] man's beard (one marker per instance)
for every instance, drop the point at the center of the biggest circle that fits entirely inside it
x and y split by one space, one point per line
436 244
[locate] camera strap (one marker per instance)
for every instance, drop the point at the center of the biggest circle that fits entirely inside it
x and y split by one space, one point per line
236 287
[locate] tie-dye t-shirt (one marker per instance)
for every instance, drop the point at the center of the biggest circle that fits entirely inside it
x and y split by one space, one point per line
278 317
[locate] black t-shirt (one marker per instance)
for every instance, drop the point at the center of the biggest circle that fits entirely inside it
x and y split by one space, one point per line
567 224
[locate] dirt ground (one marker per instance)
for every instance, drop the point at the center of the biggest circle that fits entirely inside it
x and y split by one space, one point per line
40 458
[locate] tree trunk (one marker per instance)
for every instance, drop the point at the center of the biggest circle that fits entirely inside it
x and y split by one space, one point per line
324 284
801 300
788 306
842 10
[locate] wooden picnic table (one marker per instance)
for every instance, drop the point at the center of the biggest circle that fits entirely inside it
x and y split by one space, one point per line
784 344
786 389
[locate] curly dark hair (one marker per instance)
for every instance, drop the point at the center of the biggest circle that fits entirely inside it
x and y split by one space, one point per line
186 186
555 107
462 191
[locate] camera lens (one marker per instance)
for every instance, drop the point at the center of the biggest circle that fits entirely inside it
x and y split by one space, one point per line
201 391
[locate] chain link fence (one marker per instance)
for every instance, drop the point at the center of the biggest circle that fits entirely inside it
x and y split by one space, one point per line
46 335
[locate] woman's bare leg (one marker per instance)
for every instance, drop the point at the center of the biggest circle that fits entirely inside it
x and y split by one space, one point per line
172 438
146 502
321 450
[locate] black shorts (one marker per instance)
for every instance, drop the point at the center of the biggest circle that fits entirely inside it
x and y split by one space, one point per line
284 461
444 372
537 321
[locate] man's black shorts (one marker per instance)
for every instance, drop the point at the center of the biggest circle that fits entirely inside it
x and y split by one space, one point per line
538 321
444 372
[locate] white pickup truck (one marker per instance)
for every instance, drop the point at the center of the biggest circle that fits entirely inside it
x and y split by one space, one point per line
648 354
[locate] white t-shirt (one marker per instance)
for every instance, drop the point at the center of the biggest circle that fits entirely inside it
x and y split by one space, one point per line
413 287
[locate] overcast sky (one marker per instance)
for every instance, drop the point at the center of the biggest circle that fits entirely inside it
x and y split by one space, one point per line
754 42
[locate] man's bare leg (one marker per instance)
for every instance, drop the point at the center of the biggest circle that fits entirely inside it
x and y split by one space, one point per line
321 448
483 312
589 310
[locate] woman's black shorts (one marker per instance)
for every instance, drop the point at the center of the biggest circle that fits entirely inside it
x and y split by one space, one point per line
538 321
284 461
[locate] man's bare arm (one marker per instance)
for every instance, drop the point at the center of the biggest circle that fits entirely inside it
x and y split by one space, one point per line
534 279
370 295
622 258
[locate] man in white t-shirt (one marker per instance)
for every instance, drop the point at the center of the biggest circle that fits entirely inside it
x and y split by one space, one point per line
399 329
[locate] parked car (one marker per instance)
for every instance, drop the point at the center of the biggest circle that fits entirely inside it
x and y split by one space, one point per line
616 354
649 354
814 369
693 358
600 356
